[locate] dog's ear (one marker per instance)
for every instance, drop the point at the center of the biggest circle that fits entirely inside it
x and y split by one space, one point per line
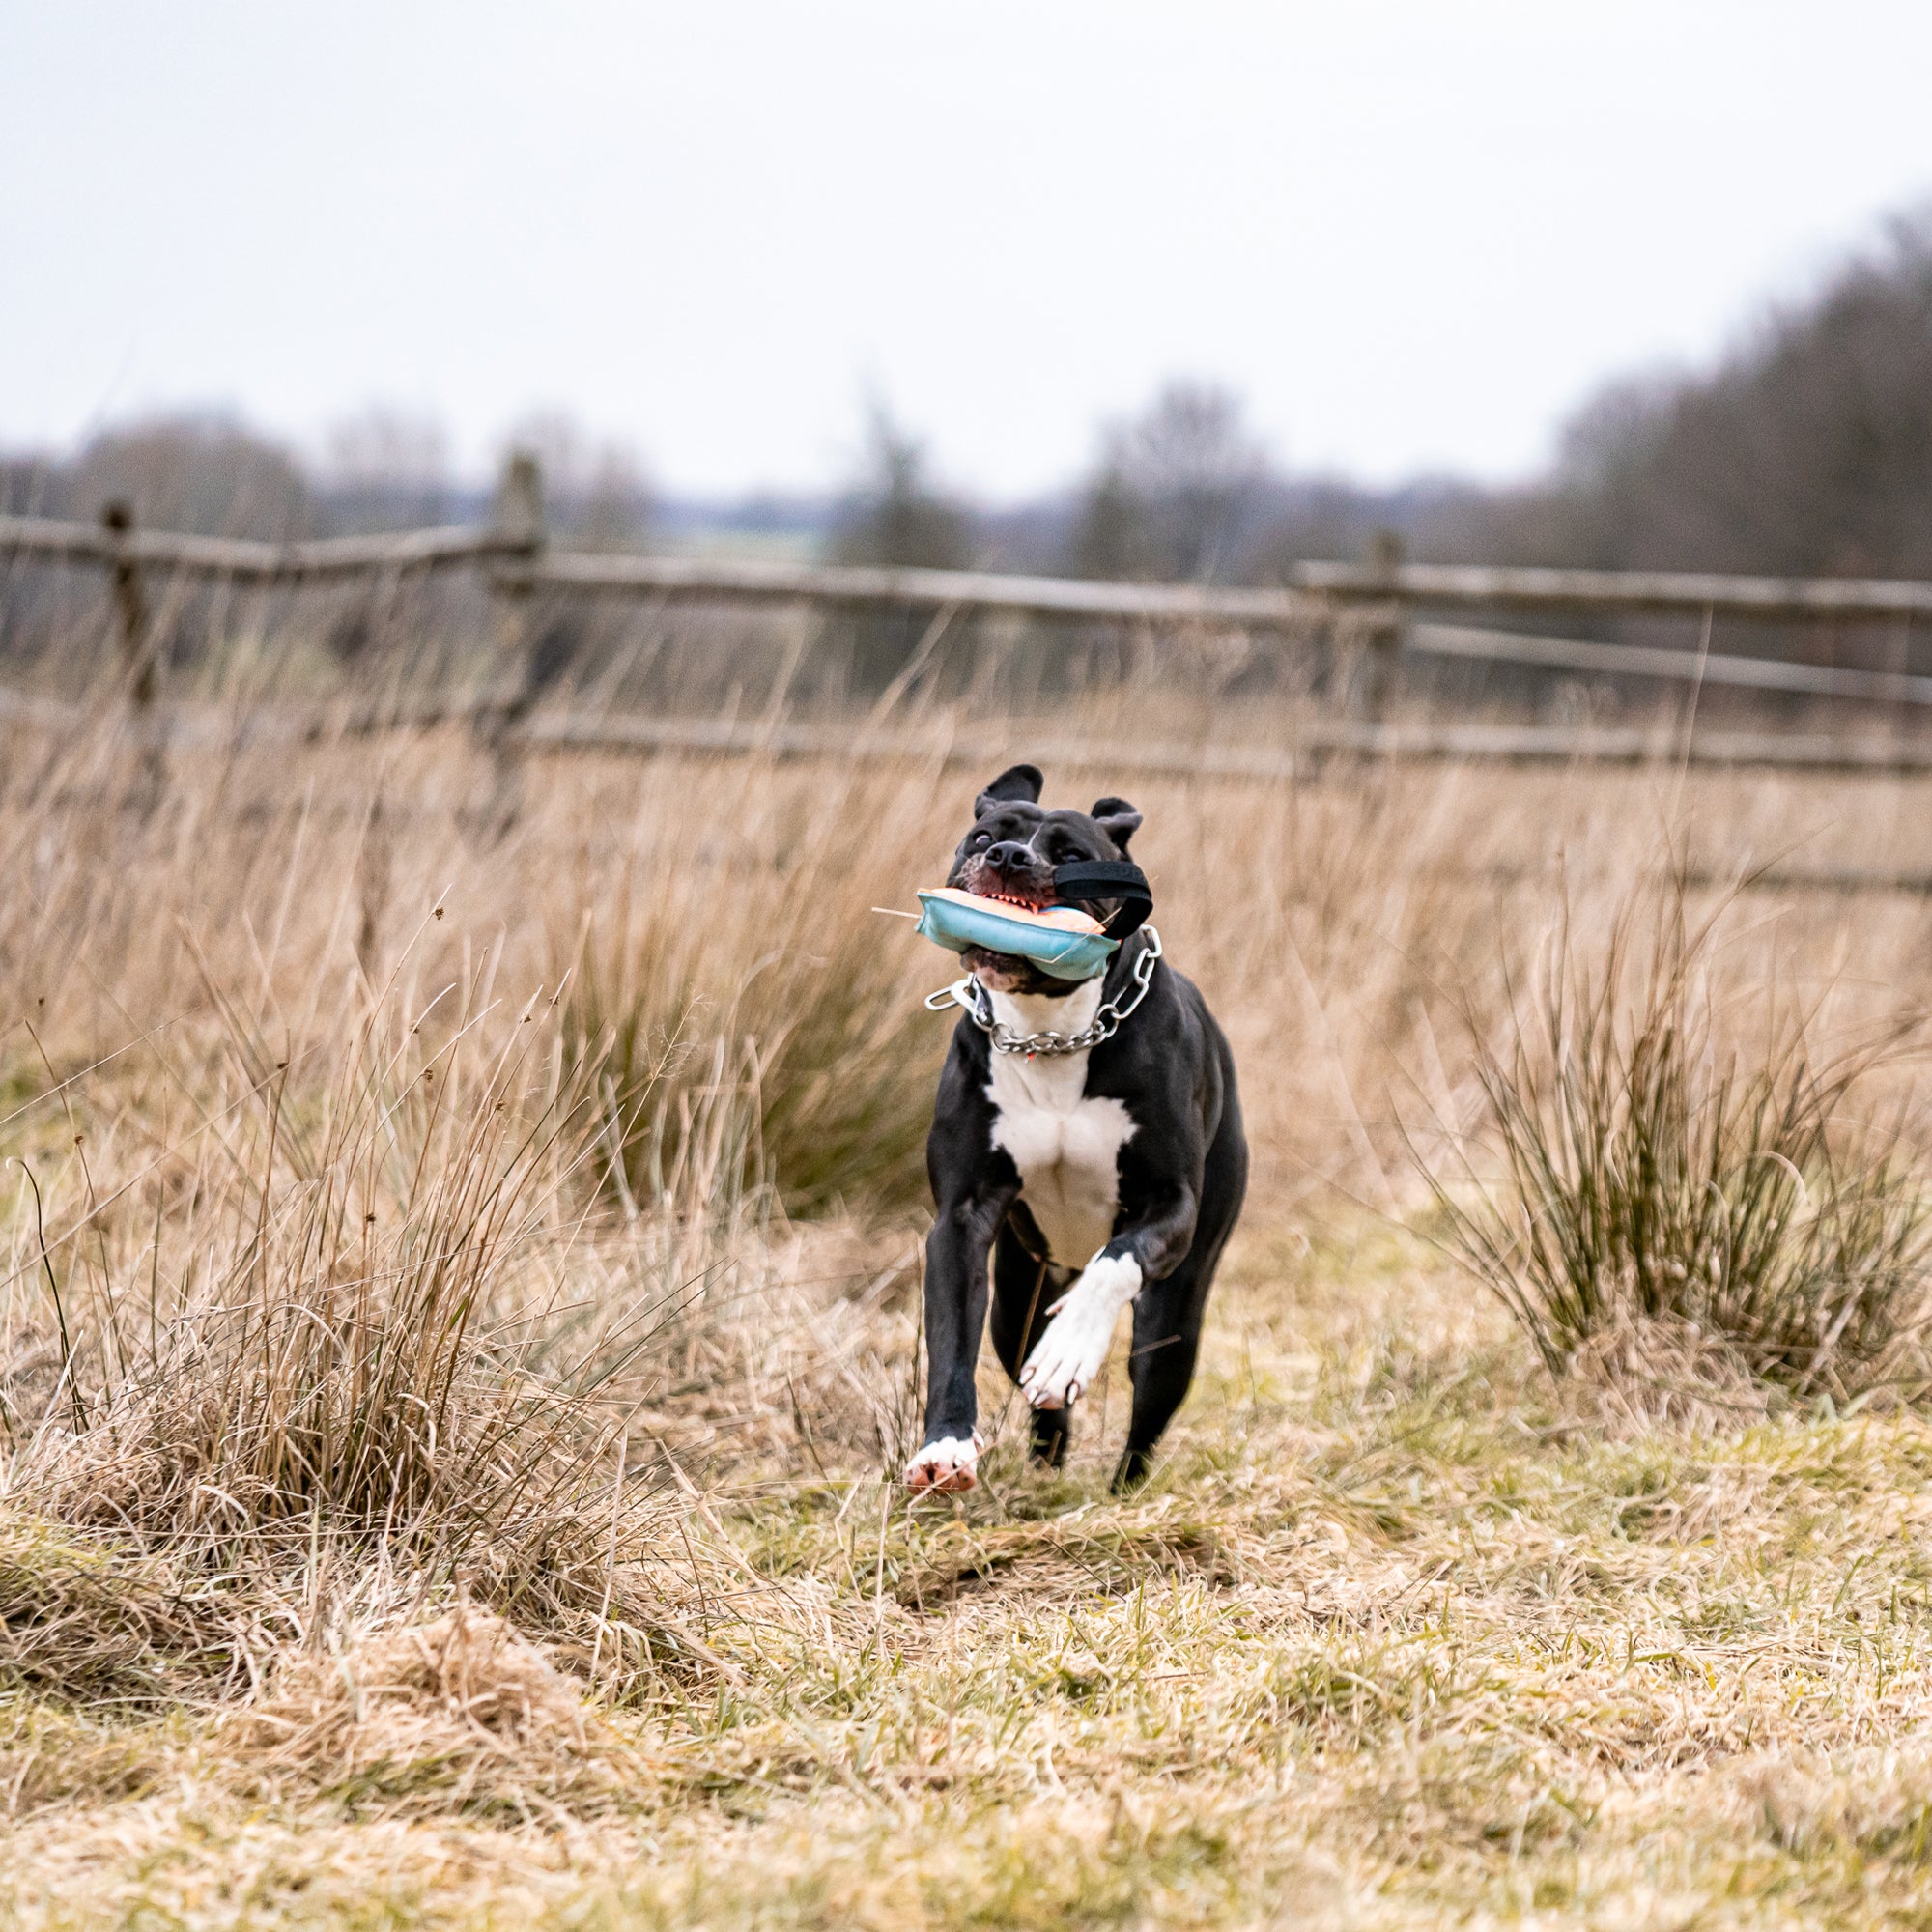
1016 781
1116 818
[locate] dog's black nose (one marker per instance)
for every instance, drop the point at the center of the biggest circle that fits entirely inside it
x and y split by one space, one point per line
1010 855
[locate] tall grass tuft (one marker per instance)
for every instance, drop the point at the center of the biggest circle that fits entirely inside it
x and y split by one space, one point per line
358 1319
754 1021
1671 1156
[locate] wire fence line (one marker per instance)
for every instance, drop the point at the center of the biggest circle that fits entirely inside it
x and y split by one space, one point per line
1386 606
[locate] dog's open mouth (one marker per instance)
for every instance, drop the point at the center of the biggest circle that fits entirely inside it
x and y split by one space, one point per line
1022 894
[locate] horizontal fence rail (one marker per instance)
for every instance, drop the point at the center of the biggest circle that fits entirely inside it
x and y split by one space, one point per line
852 586
1683 594
1878 687
1312 745
245 562
1308 589
1391 609
1315 742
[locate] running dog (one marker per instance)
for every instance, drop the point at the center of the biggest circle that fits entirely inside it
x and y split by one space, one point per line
1089 1177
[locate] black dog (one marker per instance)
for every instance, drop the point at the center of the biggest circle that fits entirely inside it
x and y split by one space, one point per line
1091 1179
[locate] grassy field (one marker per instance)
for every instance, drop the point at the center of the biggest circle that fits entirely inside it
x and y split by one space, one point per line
459 1334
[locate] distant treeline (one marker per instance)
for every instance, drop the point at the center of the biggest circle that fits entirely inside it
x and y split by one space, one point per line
1807 450
208 473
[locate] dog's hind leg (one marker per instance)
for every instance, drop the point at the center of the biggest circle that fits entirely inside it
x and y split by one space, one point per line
1168 1318
1023 1287
1167 1338
1169 1313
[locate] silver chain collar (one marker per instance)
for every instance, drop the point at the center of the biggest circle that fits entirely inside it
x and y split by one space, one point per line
976 1003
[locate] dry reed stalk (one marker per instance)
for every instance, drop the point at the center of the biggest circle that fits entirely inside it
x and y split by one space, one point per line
1682 1155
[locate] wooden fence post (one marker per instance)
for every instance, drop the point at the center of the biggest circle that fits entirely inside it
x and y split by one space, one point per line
518 519
1382 655
520 501
130 605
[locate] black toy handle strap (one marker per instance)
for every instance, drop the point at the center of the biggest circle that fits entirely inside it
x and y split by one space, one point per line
1108 879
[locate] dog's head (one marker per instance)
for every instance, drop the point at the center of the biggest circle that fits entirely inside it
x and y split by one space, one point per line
1010 853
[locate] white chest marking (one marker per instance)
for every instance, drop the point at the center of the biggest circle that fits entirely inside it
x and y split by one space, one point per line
1066 1146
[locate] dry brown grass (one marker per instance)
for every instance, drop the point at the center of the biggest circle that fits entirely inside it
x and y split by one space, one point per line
527 1551
437 1715
1684 1158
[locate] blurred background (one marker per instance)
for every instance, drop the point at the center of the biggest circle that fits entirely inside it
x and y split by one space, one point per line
1110 289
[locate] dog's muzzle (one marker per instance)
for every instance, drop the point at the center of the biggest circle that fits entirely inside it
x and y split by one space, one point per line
1085 880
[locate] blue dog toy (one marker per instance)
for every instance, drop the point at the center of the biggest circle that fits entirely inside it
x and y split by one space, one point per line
1057 939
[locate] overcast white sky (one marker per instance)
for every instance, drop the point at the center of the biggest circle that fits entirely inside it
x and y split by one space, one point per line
1413 233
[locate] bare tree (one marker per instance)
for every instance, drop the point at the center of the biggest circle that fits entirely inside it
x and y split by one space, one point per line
1807 450
387 468
595 488
202 472
1175 491
894 514
31 484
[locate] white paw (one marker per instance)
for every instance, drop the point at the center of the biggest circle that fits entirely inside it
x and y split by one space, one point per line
1067 1358
945 1467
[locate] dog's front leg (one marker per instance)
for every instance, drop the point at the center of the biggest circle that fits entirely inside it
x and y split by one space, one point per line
1067 1358
957 1254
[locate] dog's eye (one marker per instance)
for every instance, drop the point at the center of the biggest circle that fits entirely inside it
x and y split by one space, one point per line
982 839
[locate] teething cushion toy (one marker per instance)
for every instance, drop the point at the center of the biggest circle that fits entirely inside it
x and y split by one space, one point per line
1061 940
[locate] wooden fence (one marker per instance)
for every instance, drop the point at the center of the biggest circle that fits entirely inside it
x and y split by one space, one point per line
1392 609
